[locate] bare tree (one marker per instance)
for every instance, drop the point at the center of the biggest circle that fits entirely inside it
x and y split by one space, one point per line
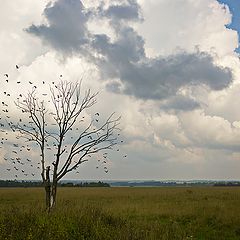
58 125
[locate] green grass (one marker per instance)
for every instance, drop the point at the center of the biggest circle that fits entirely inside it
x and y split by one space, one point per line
122 213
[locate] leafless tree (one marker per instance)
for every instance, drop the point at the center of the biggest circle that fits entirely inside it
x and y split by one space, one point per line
59 125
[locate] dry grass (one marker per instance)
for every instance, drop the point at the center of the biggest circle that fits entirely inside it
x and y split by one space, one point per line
122 213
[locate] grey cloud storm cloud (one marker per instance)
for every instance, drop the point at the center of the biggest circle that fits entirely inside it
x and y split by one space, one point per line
66 30
124 58
129 10
180 103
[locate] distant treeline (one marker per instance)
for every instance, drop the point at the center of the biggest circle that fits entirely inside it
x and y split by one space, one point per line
227 184
85 184
175 183
11 183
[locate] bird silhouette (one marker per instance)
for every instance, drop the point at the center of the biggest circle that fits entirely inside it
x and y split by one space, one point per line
17 67
6 75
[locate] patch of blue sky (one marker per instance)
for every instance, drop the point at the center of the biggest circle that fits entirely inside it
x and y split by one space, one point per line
234 6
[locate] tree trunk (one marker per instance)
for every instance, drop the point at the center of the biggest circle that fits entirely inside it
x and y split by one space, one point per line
53 195
48 197
50 191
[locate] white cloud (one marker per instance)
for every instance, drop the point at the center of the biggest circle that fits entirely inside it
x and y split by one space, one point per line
186 24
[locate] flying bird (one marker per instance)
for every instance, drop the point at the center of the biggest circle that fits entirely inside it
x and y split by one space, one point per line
17 67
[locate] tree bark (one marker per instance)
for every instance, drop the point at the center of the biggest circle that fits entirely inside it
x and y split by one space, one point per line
48 190
53 195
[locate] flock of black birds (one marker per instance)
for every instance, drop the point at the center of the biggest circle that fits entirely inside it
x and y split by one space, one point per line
16 160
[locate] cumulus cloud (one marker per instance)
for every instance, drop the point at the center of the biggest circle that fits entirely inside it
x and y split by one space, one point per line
180 103
123 10
66 26
124 58
210 132
162 78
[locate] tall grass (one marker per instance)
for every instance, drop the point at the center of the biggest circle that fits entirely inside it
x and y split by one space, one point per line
122 213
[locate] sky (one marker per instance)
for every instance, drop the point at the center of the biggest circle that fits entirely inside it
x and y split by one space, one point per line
170 69
234 8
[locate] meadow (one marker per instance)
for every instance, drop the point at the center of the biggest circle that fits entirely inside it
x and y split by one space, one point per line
122 213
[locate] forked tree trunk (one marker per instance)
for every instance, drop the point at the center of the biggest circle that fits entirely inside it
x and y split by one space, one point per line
50 191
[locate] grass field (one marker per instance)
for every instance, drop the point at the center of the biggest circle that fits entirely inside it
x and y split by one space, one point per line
122 213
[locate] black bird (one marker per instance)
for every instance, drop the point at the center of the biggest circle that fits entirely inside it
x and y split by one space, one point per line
6 75
17 67
97 114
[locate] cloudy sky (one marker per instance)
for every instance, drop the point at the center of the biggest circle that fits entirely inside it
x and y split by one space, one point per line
170 68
